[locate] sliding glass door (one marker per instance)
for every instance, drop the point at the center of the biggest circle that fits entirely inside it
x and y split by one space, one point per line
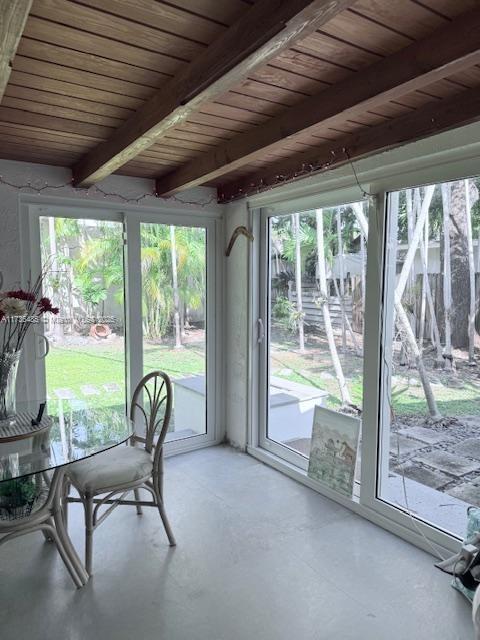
313 309
136 294
174 318
82 263
430 429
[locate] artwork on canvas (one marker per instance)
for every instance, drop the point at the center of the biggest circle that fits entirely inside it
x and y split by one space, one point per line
333 452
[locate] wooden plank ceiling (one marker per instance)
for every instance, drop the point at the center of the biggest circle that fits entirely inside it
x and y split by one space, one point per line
85 68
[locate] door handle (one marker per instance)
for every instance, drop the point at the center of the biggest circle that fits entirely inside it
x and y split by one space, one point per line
260 331
47 346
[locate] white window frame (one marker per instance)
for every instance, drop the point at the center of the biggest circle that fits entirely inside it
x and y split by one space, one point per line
446 157
131 216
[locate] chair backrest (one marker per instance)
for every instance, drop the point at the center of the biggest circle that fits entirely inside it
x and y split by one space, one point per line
152 399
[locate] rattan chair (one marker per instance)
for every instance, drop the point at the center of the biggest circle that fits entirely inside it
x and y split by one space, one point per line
119 471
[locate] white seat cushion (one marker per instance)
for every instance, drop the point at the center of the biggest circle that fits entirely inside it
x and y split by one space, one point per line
119 466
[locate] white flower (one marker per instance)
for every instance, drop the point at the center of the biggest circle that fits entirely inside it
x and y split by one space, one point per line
13 306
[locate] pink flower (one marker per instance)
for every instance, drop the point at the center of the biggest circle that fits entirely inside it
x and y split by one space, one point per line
20 294
45 306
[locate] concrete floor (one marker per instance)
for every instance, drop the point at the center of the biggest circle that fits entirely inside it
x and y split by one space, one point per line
259 557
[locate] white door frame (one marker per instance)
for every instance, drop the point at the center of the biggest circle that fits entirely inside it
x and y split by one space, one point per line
383 180
131 216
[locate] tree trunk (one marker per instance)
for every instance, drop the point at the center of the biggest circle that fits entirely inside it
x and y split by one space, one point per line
298 280
459 266
363 224
345 317
176 299
436 341
402 317
412 343
363 275
57 328
471 273
425 283
322 279
341 278
413 246
447 275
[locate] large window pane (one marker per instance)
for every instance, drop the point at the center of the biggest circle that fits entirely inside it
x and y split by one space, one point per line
430 459
317 264
174 291
83 265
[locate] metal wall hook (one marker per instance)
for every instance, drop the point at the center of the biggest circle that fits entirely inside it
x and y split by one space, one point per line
239 231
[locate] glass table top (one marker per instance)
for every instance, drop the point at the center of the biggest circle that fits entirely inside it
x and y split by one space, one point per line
72 432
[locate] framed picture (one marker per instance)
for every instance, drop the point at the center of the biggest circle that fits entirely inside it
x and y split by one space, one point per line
333 453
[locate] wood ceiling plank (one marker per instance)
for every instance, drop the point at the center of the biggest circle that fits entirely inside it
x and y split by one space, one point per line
22 79
225 12
117 29
431 119
51 123
7 129
212 135
407 16
272 93
81 78
448 49
469 77
311 66
59 112
46 97
345 54
27 152
13 17
216 121
163 16
77 40
268 27
185 142
283 79
449 8
104 67
230 116
36 131
254 106
43 143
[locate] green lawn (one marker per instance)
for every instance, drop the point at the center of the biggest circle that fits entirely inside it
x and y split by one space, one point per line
314 368
72 367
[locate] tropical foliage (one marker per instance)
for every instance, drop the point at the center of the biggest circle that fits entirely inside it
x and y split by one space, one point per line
87 270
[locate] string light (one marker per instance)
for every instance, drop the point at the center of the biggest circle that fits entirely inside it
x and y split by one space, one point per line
307 168
101 192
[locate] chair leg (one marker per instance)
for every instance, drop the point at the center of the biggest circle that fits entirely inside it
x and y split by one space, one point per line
136 493
65 494
46 531
50 533
88 507
163 514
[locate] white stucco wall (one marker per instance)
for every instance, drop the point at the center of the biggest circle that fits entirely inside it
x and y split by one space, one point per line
236 327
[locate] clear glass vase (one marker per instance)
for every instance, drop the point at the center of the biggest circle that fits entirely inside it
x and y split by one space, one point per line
8 376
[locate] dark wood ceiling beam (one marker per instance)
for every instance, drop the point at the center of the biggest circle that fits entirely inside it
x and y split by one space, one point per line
261 33
13 16
449 49
431 119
